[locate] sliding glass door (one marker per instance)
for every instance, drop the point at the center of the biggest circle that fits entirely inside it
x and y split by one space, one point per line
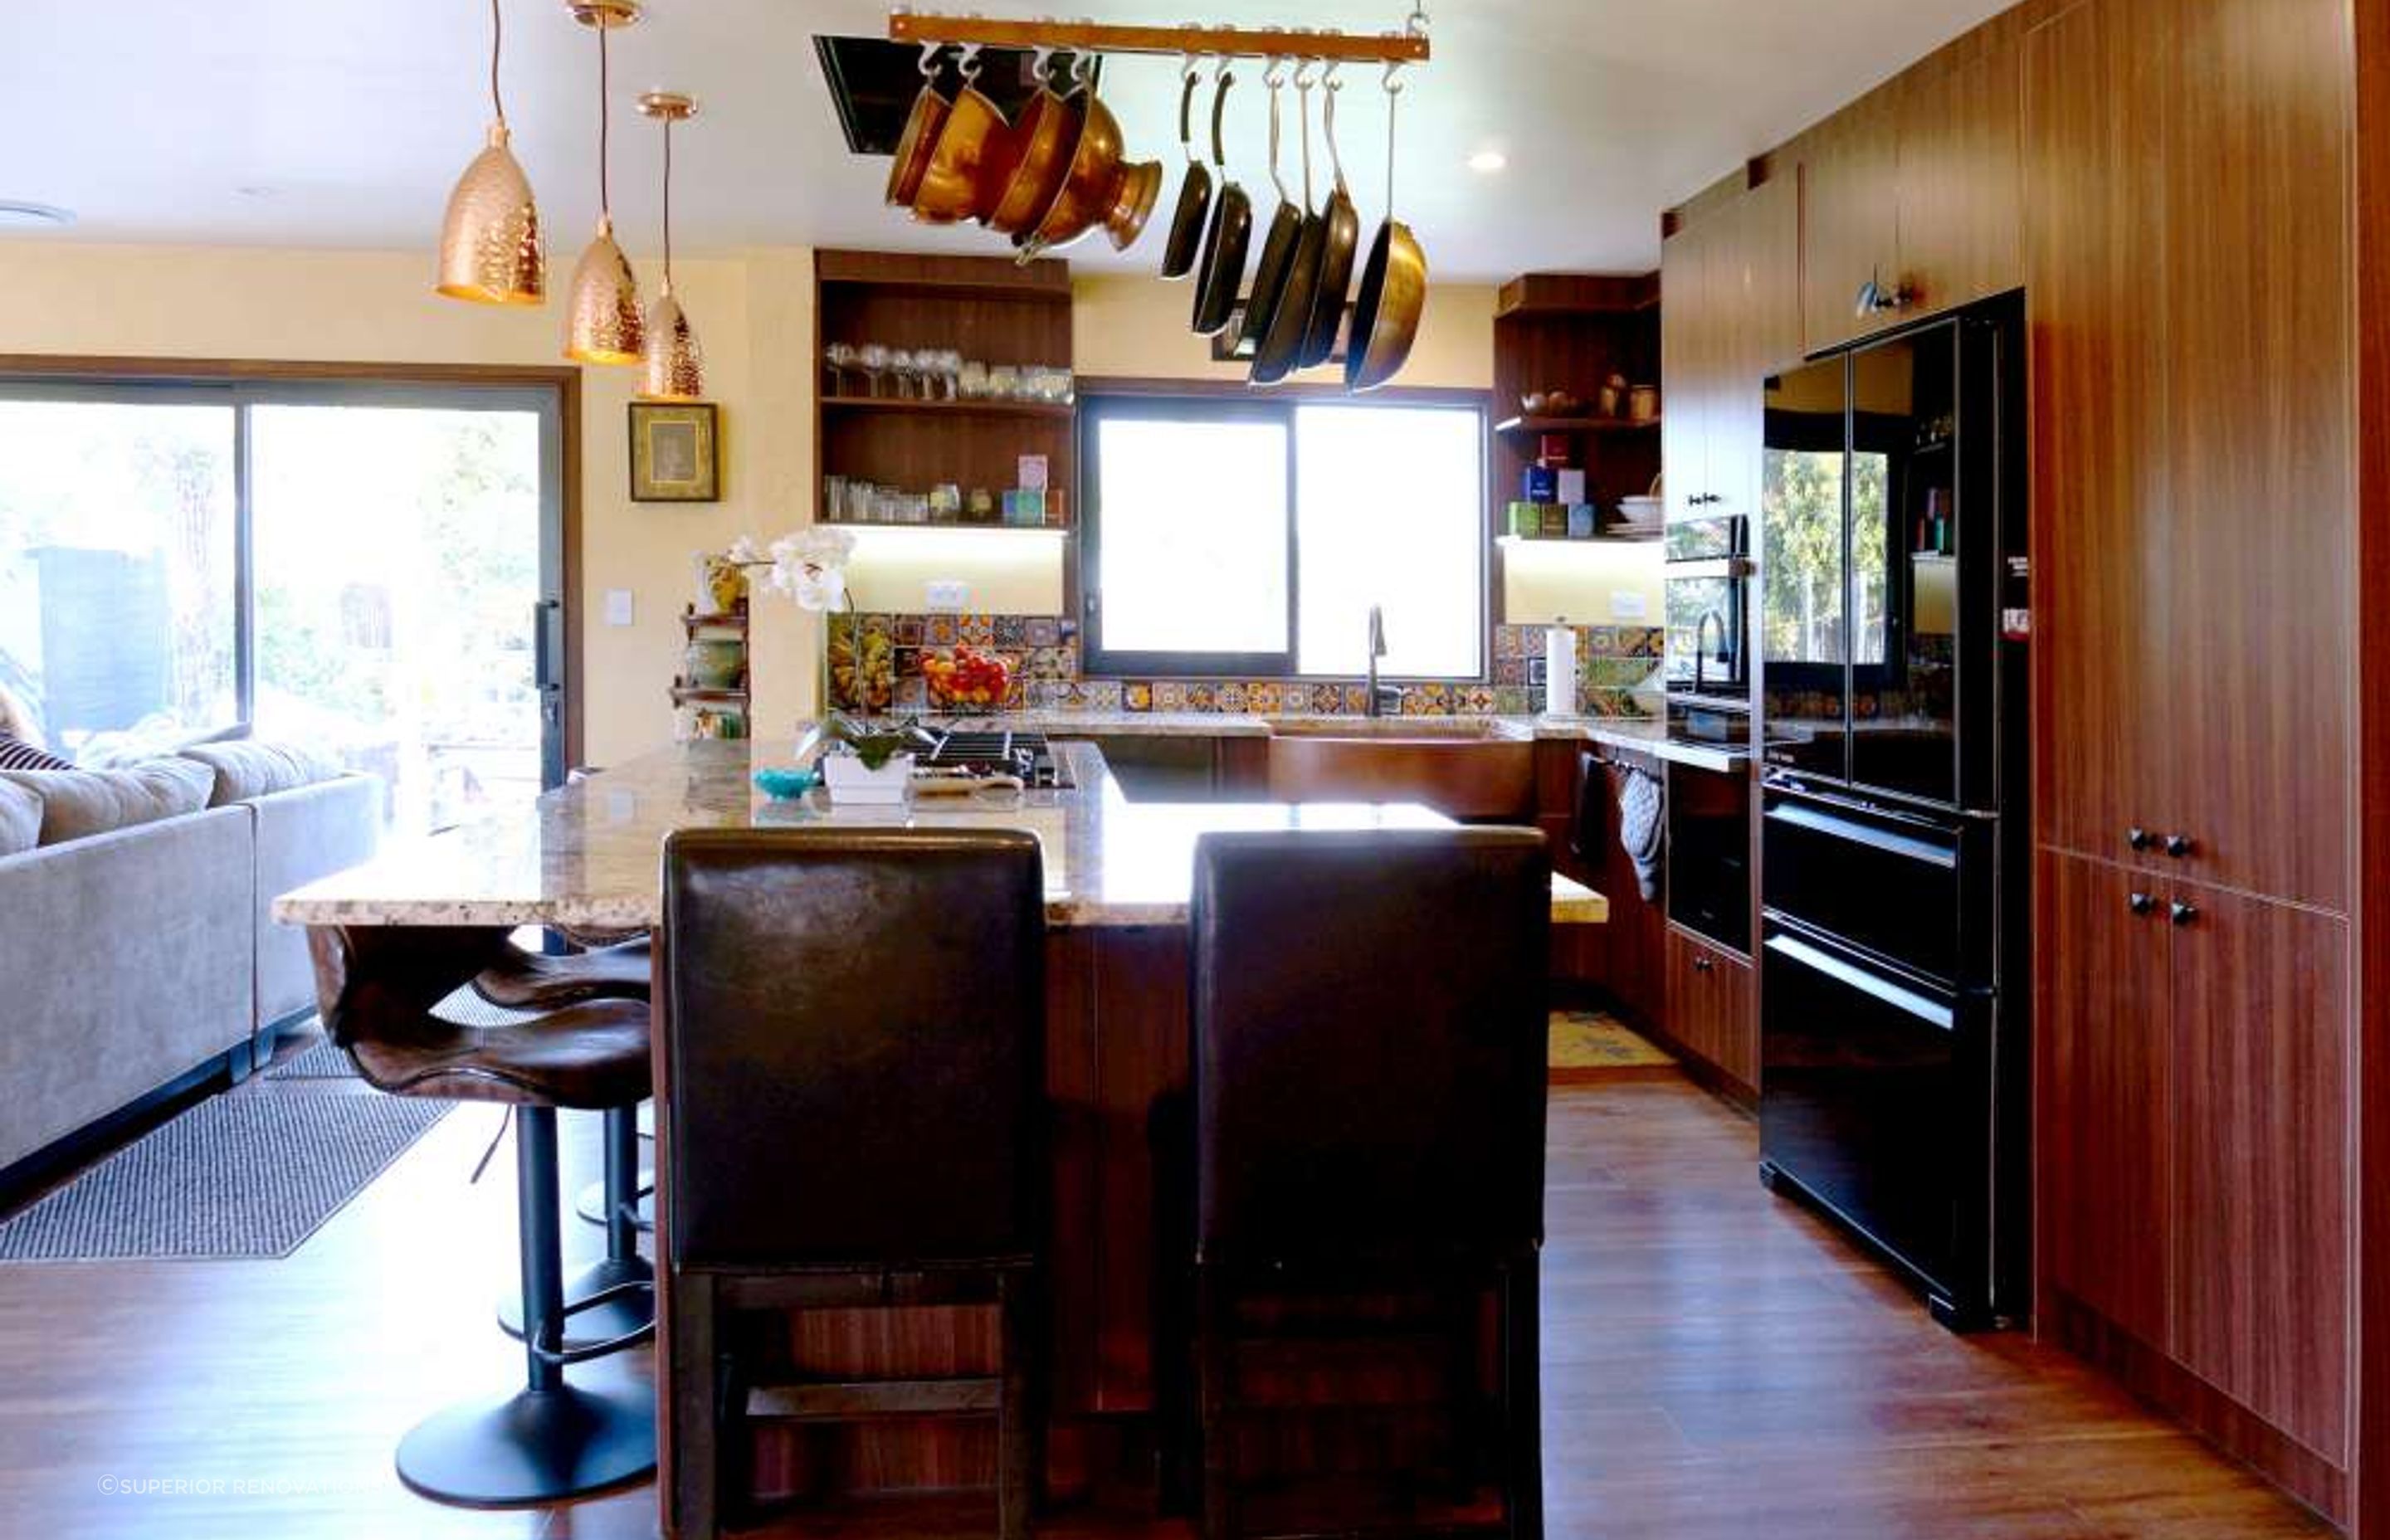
372 570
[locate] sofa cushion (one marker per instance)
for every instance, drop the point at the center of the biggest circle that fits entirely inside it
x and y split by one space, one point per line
251 769
79 803
21 819
18 754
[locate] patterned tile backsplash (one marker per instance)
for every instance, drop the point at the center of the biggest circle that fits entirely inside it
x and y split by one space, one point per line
876 666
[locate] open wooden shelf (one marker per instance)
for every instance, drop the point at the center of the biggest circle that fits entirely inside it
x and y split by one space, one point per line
983 529
1577 424
971 408
727 620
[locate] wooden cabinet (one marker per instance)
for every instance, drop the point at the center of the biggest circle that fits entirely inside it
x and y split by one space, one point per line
1577 795
1710 1006
1732 316
2194 1114
1917 187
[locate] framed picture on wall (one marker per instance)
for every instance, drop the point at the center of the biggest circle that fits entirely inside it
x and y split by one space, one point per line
675 452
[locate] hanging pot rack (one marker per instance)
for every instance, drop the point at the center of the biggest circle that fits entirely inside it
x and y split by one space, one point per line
1407 46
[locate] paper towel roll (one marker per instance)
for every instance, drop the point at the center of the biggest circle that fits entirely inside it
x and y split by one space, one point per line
1559 672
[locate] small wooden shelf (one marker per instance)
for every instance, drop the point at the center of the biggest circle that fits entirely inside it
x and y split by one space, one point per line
980 528
1576 425
728 620
971 408
683 693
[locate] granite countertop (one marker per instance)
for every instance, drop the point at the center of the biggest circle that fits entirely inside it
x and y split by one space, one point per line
588 856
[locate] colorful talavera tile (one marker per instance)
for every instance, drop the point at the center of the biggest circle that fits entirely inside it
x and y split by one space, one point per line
1261 697
1169 694
1508 641
1097 694
1511 699
907 629
1475 699
938 629
911 695
1353 698
975 629
1011 631
1331 699
1196 697
1228 697
1136 696
1510 671
1068 626
1041 631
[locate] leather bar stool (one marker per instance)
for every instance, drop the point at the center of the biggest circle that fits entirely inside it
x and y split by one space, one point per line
1369 1024
600 1308
552 1439
850 1115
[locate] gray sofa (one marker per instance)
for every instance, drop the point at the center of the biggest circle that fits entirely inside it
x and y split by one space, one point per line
142 958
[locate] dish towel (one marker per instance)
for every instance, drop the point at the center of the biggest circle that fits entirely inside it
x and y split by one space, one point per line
1643 828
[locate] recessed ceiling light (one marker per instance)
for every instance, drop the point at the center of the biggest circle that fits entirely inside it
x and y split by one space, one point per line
15 214
258 189
1488 161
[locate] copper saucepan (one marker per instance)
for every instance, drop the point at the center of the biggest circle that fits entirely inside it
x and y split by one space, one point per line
1017 183
949 189
1288 326
1285 231
1090 184
922 126
1393 287
1194 193
1222 270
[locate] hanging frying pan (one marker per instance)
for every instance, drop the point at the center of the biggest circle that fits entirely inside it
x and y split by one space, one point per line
1344 234
1285 230
1194 193
1222 270
1393 286
920 136
1287 327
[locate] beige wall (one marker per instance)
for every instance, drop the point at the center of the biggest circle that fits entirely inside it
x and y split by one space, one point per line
1136 327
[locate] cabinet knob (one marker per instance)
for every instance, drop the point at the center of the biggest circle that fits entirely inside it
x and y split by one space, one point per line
2182 913
2140 839
2178 845
1702 965
2141 903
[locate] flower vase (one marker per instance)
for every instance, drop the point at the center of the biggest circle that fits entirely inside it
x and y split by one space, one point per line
847 779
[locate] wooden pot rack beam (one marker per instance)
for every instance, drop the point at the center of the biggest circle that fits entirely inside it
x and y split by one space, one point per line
918 26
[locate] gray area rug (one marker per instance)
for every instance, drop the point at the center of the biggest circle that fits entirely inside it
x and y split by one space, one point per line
319 1061
250 1173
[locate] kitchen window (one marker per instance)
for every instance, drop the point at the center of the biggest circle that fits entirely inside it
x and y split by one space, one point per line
1228 537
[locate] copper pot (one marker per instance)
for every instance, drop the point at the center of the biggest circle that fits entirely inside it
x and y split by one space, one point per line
921 125
1133 198
1021 179
949 189
1086 195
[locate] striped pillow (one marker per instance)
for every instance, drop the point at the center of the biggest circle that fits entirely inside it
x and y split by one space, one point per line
18 754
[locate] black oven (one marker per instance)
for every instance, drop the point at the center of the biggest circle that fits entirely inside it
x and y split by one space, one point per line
1705 576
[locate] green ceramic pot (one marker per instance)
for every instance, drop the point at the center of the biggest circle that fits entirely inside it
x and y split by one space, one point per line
715 665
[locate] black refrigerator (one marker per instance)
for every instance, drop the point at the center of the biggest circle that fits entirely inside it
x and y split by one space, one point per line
1895 989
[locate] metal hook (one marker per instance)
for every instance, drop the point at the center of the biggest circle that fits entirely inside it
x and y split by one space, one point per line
929 65
1274 78
968 65
1328 122
1415 24
1303 113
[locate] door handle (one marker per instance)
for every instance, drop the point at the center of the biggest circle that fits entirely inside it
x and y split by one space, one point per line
1702 965
2141 903
2178 845
2139 838
2182 913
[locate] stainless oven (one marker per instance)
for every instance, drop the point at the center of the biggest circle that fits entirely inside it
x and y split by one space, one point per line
1708 658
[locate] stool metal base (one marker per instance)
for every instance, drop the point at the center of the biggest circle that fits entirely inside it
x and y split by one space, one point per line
591 1204
601 1323
532 1446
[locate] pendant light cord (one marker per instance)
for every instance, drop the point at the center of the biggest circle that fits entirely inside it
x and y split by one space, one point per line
668 128
605 90
497 42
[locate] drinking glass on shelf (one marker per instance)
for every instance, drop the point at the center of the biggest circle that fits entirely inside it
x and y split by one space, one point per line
840 356
907 365
1004 383
971 378
873 359
949 365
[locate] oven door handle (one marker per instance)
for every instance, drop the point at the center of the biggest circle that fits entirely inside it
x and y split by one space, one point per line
1933 1012
1819 820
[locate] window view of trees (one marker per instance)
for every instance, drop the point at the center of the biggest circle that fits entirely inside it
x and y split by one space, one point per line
1802 491
395 565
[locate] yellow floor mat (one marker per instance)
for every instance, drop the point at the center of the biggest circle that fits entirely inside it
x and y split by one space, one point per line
1593 1044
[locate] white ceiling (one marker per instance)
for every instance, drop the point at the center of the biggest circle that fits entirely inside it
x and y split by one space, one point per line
342 123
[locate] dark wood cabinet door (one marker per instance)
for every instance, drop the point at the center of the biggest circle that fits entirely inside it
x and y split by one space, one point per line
2262 1070
1710 1006
1768 243
2262 527
1849 220
2101 1091
1959 178
1686 322
2094 259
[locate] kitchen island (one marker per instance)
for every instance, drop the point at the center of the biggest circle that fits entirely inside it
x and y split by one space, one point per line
424 917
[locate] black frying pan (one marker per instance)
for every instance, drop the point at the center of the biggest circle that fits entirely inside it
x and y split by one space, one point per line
1223 267
1341 239
1277 247
1287 327
1194 194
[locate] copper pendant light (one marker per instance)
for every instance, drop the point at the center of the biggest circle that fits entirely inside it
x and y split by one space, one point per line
490 247
603 324
676 366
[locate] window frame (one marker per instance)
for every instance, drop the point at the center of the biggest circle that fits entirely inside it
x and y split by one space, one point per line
240 384
1214 399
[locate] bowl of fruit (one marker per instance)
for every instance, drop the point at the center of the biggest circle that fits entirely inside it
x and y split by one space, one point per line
966 679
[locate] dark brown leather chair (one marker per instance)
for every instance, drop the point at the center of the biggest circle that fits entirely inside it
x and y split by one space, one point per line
1369 1023
621 1283
552 1439
850 1115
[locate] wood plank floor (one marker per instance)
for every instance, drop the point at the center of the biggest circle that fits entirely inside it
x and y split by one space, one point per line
1716 1365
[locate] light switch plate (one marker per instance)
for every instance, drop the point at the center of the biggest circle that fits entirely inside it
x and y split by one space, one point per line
948 596
1626 604
617 607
